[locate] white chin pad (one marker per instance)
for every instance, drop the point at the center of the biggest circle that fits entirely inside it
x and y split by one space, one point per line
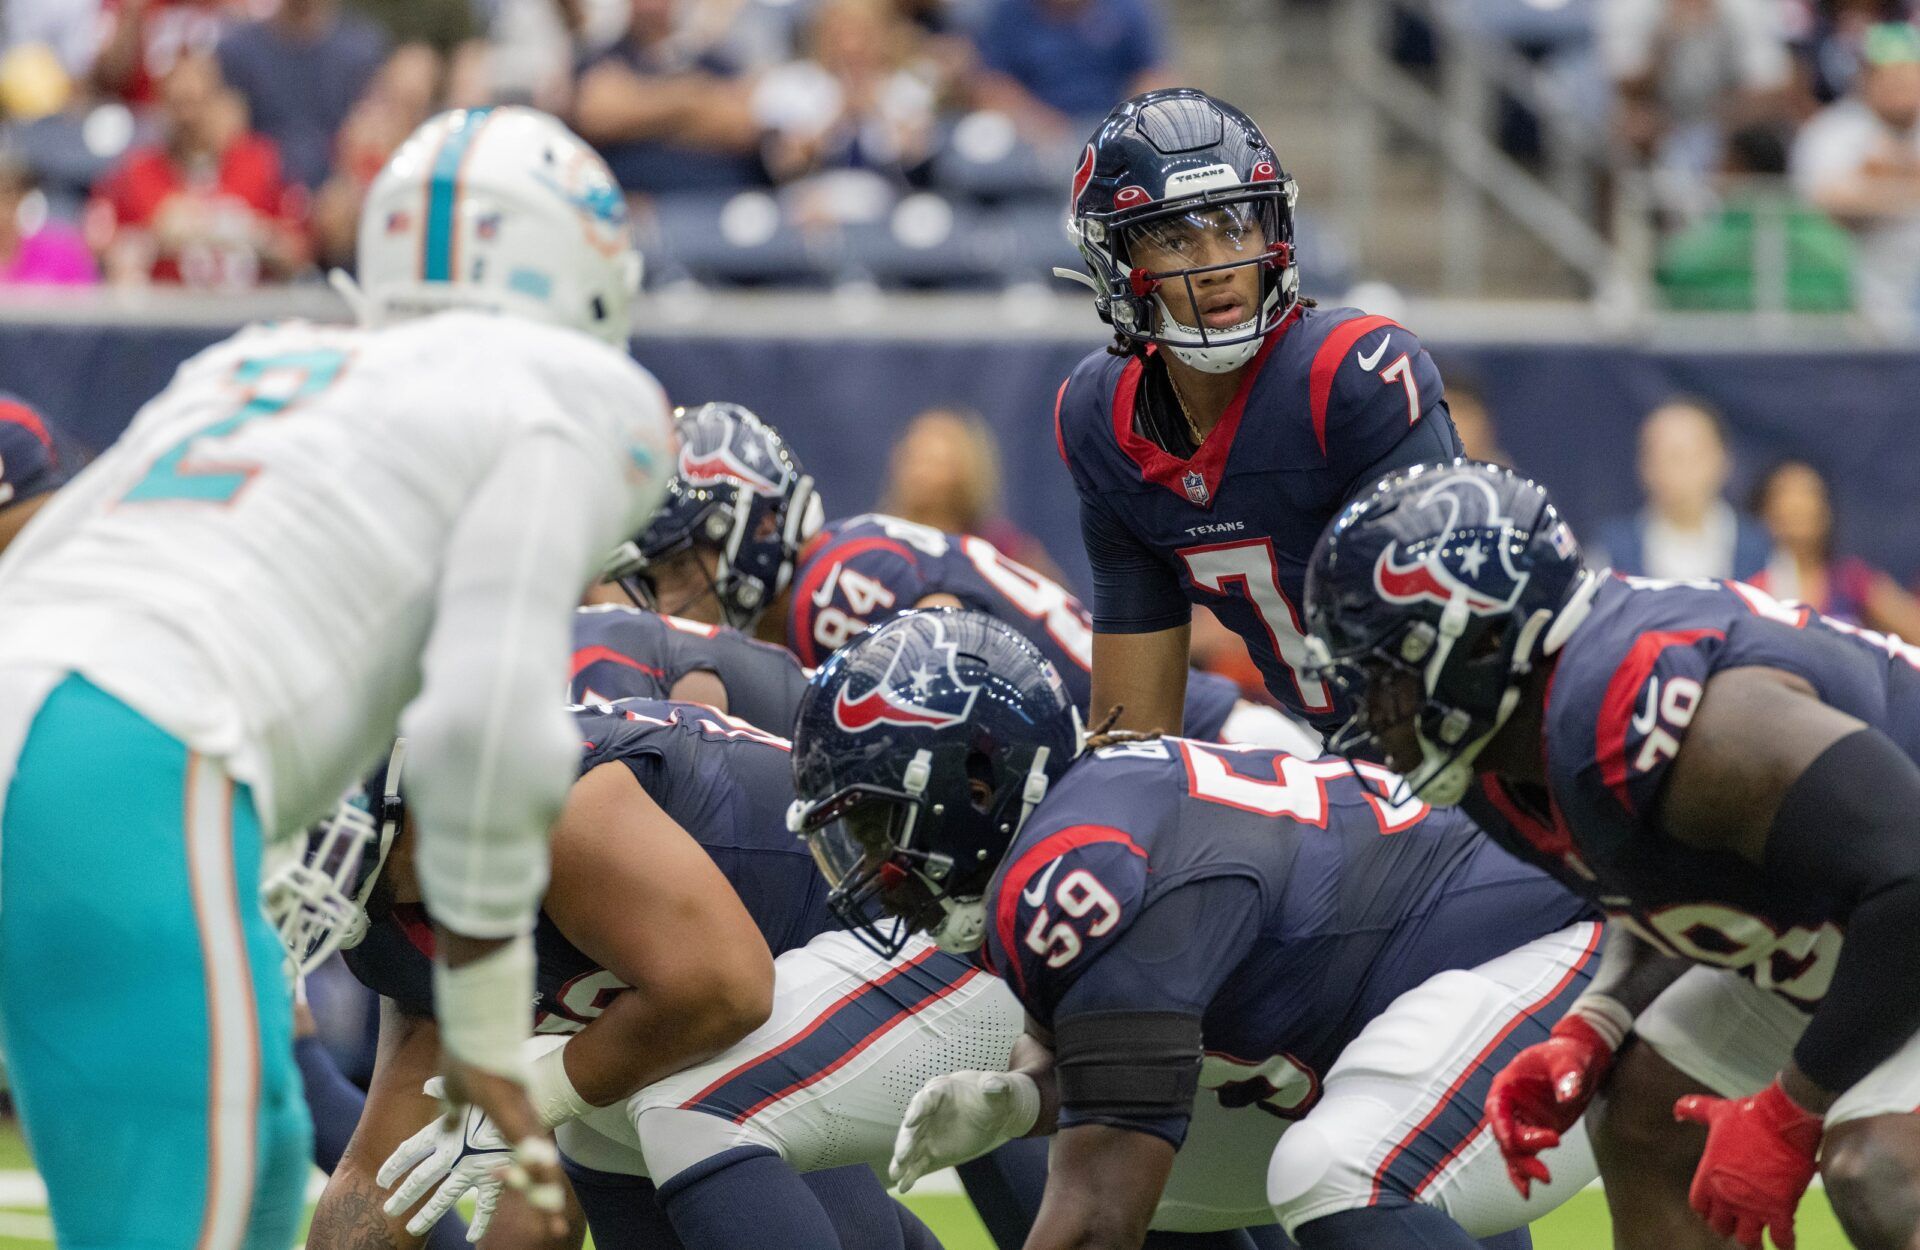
1195 353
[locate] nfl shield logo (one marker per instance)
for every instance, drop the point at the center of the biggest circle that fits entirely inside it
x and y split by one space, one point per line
1196 486
488 227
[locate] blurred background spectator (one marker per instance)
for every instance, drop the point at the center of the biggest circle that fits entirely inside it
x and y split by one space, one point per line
1792 500
945 472
205 205
1714 263
1056 66
1859 160
403 94
35 249
1467 404
668 115
144 39
1687 528
1683 69
300 72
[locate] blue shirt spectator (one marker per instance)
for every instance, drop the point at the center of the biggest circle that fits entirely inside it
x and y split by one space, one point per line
1079 58
1687 530
300 72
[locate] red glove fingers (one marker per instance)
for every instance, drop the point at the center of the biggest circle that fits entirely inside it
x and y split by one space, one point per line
1538 1096
1759 1160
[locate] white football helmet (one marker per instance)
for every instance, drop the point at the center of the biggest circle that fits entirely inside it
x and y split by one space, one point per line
502 210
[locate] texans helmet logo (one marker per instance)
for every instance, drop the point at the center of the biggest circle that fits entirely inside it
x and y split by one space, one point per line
749 466
1477 571
931 695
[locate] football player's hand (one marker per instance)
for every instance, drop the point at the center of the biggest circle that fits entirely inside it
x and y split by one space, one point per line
535 1171
959 1117
461 1152
1539 1095
1760 1158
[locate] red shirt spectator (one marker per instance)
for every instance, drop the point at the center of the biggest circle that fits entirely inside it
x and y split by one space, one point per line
142 40
207 205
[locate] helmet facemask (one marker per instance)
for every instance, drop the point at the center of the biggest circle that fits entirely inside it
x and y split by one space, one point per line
729 526
1251 223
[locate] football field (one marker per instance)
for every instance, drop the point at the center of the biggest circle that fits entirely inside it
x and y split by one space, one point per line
1580 1225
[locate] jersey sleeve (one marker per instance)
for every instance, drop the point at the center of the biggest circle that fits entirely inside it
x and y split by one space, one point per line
1170 961
29 466
851 585
1134 590
1059 902
1635 714
615 656
1371 386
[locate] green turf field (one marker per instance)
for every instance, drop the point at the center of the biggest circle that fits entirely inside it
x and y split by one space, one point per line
1580 1225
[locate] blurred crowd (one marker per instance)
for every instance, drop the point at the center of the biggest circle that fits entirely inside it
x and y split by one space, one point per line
224 143
1783 136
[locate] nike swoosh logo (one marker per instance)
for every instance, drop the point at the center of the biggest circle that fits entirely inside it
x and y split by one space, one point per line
1036 894
1368 362
823 596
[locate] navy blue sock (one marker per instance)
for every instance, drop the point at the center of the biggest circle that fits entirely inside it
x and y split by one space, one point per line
857 1203
1412 1227
1006 1187
914 1235
621 1210
746 1198
1518 1239
332 1099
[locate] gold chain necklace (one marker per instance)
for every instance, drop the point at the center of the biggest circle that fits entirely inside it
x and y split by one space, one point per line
1186 416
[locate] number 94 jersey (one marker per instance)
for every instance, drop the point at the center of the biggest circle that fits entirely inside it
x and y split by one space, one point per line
1353 900
1624 691
858 572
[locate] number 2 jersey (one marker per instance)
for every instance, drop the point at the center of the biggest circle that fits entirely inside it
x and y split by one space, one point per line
312 525
1624 689
1273 896
859 572
627 653
1334 400
727 786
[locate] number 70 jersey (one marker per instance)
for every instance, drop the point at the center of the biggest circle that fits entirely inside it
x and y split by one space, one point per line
257 565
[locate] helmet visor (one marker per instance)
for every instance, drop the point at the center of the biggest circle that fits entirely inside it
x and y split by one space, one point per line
1202 236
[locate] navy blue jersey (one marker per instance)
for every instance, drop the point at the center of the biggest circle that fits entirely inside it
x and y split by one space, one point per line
723 781
625 653
28 464
1334 400
858 572
1623 692
1304 904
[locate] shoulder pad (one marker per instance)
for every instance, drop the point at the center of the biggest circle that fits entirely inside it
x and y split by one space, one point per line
1062 899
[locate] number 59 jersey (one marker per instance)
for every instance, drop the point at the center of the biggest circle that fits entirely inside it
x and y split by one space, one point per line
1625 687
259 563
1354 900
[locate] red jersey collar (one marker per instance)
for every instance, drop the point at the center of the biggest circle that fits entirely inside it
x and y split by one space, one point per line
1197 480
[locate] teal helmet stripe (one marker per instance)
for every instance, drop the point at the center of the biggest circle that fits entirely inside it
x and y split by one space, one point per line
443 193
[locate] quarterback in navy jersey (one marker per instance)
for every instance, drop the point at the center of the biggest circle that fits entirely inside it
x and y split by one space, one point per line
708 1073
1732 778
1231 419
863 570
1239 955
624 652
29 466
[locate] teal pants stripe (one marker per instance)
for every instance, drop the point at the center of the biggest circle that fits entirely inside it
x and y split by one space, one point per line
147 1021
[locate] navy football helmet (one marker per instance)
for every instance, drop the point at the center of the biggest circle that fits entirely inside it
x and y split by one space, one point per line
1429 599
738 491
318 901
1178 159
919 751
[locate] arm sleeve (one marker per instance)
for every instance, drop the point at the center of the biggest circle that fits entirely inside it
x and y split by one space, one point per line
1433 440
1167 965
1134 592
1369 413
492 749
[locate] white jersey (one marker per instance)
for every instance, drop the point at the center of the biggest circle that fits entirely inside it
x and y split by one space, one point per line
315 529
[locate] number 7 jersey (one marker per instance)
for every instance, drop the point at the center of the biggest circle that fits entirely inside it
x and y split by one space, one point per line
258 564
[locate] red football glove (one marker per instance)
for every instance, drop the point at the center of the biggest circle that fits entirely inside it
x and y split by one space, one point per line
1759 1160
1538 1096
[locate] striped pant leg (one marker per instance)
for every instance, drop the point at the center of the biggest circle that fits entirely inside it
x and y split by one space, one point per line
1402 1116
147 1023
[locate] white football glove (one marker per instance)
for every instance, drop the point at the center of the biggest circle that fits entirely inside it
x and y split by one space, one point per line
469 1154
959 1117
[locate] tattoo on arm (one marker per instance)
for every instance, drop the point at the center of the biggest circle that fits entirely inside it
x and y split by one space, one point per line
351 1219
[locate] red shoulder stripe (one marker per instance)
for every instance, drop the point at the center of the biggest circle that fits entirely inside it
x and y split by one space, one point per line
17 413
1059 437
594 655
821 559
1616 709
1326 365
1006 912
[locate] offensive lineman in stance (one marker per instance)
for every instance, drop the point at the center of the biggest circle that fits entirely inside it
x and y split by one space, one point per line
314 535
